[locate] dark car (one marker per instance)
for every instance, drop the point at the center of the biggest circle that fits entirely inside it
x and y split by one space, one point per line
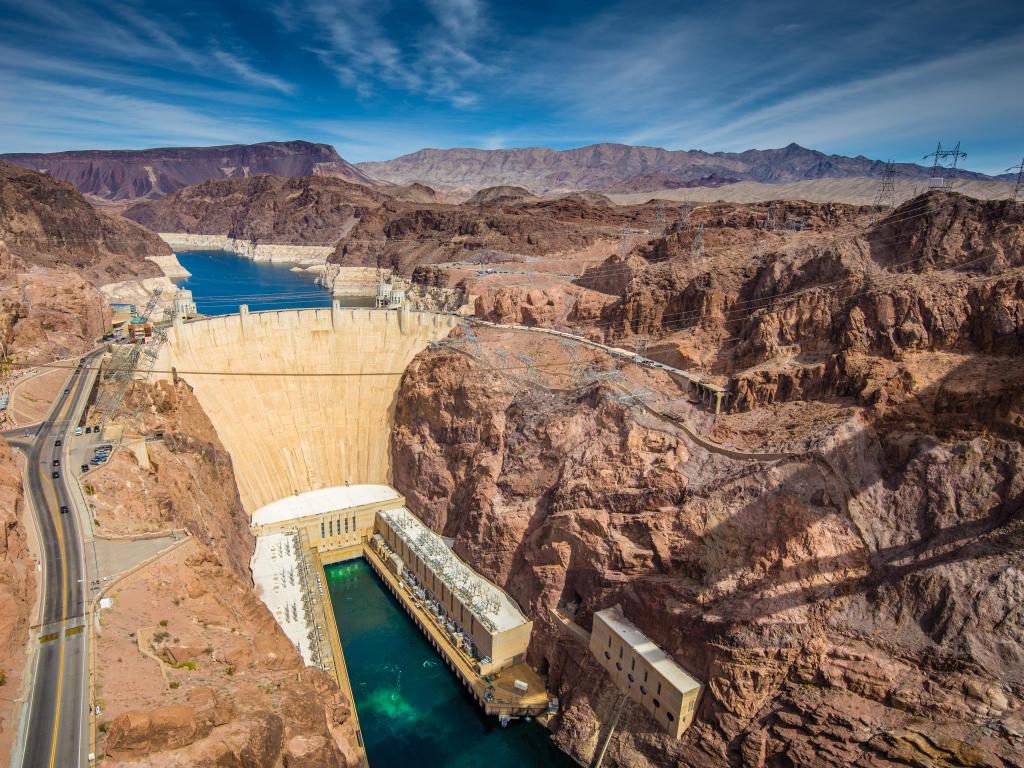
67 391
58 443
96 428
63 510
56 462
85 467
55 475
88 430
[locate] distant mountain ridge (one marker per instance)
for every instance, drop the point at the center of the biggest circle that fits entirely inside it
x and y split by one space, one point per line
130 174
621 167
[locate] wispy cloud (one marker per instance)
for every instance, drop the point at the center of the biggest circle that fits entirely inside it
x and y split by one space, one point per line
250 74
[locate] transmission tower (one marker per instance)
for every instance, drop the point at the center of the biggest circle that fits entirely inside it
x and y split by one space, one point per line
659 228
938 181
640 343
697 249
885 197
625 240
1018 188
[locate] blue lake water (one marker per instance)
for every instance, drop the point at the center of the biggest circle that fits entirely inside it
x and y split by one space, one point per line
221 281
413 711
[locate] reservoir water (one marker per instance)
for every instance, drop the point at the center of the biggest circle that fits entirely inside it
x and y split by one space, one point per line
413 711
221 281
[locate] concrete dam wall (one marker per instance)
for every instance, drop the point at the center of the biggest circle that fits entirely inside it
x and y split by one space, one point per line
328 423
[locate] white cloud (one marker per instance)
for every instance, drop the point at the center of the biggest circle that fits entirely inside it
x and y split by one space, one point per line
250 74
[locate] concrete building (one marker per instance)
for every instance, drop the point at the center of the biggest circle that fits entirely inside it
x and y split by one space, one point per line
184 306
478 609
642 671
336 521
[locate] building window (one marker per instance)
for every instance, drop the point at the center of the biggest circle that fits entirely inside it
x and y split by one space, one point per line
659 689
330 527
620 651
609 641
645 675
656 703
632 664
323 533
346 525
690 708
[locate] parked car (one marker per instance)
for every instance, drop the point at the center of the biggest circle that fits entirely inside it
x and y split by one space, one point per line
57 443
85 467
88 430
67 391
96 428
55 475
78 430
63 510
56 462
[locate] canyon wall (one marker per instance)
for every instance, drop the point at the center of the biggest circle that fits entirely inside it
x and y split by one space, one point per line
852 604
301 399
192 667
17 588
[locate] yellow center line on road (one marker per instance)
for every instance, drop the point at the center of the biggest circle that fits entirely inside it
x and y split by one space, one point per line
54 507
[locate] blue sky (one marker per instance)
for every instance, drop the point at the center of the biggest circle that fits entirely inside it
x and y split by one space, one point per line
378 79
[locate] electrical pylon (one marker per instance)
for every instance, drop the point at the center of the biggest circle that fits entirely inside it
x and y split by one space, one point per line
938 180
1018 189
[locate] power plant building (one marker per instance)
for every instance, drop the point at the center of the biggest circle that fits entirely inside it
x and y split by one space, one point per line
479 609
645 673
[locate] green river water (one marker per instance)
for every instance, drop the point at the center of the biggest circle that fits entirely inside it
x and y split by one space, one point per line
412 709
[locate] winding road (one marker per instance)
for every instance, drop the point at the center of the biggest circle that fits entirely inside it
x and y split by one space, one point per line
54 731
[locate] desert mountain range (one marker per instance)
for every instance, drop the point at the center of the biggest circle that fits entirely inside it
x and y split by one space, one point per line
119 175
126 174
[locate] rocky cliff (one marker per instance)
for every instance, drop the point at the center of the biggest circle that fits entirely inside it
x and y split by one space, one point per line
606 167
194 670
271 209
46 223
17 587
153 173
853 603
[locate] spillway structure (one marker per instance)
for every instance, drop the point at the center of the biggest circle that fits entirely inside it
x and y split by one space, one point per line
304 401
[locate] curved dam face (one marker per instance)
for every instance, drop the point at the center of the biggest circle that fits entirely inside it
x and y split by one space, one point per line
325 423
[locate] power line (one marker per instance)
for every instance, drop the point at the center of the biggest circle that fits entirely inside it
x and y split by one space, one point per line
1018 189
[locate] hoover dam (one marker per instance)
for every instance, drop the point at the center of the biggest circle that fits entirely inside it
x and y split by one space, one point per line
301 399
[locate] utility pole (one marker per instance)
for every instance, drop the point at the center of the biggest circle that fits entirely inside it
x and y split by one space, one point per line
659 229
938 181
885 197
1018 189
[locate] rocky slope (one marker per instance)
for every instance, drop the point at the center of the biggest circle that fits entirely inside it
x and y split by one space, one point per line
608 167
852 604
310 210
46 223
17 587
153 173
194 668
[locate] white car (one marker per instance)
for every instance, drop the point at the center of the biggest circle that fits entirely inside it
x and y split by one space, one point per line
78 431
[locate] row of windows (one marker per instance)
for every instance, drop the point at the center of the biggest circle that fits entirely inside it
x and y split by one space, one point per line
328 529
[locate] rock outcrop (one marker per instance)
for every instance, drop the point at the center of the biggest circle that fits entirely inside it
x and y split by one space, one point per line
310 210
17 589
47 223
153 173
194 669
854 603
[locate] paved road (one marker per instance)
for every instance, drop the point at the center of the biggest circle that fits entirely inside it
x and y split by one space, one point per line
55 731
